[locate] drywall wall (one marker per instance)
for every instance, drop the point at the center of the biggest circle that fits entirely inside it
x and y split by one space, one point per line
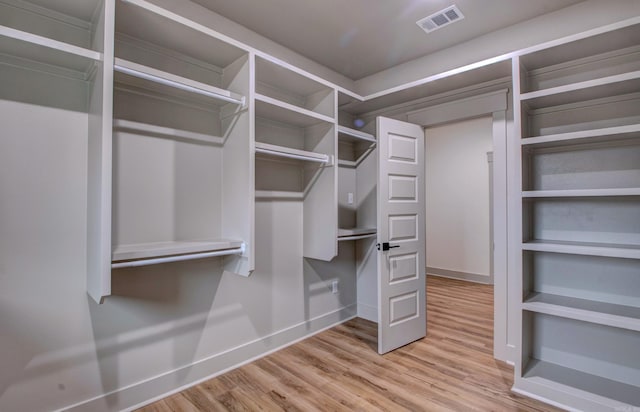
578 18
457 191
165 326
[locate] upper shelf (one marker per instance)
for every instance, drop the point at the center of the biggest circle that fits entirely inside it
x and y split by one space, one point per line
277 110
293 88
58 35
150 78
152 31
603 43
585 136
609 86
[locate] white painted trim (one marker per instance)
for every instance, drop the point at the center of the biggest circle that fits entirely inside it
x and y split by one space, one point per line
145 392
368 312
470 107
500 225
454 274
495 104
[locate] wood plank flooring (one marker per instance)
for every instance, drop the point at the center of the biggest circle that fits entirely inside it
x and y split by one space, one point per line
452 369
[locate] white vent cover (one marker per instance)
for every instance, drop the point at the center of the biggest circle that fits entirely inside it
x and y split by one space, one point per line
440 19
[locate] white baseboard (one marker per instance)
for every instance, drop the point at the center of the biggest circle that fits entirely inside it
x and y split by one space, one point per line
368 312
143 393
454 274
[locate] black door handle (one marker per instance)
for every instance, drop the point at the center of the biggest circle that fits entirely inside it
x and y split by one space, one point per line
386 246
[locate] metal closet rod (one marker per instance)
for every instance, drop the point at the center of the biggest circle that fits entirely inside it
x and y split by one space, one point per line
179 258
293 156
177 85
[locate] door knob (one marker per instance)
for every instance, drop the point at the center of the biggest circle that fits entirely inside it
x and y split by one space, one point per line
386 246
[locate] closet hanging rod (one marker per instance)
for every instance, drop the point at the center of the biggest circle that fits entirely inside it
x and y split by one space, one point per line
177 85
179 258
324 159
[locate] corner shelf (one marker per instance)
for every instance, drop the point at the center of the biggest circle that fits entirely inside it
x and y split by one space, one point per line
143 254
608 314
356 233
359 144
348 133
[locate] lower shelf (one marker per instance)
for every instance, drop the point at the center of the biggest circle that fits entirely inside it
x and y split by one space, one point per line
584 248
590 389
143 254
627 317
356 233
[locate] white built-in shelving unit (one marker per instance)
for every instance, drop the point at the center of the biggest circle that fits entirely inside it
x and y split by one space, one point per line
357 201
45 34
296 148
181 110
357 175
578 116
59 55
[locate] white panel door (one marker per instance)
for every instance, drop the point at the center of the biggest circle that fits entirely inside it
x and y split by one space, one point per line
401 234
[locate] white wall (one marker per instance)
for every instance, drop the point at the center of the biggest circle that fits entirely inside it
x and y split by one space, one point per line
457 190
165 326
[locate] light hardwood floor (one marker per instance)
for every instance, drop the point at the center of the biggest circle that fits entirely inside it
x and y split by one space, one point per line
452 369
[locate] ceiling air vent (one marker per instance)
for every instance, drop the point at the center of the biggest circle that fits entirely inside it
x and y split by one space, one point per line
440 19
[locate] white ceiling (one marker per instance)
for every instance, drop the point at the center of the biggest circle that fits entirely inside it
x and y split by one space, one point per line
361 37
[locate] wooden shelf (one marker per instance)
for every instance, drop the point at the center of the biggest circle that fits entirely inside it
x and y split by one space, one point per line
587 136
619 84
287 152
633 191
584 248
349 134
597 391
277 110
131 73
173 248
608 314
40 49
153 130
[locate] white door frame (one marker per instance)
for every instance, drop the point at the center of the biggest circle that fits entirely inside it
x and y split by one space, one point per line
494 104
